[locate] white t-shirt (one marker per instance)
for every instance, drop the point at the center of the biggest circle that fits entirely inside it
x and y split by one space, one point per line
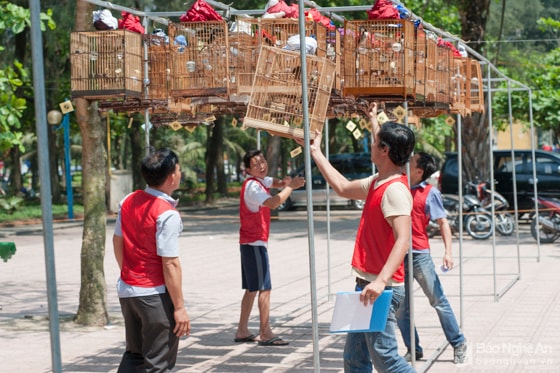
255 195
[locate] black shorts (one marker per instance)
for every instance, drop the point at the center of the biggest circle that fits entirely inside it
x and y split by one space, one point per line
255 269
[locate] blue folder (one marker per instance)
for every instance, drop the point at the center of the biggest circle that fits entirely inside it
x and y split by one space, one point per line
349 313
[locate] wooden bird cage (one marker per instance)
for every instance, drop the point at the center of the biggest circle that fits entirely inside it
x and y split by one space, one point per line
431 73
275 104
252 33
429 112
421 66
444 72
159 73
460 86
379 59
424 68
106 64
476 91
199 59
328 46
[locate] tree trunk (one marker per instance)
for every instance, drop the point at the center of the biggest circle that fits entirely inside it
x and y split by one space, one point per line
273 155
93 292
333 143
137 151
475 134
211 159
476 154
218 132
474 15
16 179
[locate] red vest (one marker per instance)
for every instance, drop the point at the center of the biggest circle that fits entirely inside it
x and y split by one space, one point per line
375 240
420 220
255 226
141 265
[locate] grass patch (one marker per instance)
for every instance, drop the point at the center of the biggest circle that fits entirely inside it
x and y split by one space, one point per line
27 212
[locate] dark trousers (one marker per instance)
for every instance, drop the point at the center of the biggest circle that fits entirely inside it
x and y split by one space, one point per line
151 345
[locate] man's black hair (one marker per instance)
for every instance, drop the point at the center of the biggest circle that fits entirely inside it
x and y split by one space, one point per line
250 155
158 165
400 141
427 163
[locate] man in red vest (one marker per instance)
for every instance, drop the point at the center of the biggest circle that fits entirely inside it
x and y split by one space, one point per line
428 205
150 284
254 213
382 240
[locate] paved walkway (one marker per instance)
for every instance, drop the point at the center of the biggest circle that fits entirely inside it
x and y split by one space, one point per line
516 333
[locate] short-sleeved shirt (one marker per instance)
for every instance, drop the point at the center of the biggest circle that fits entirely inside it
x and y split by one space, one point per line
169 224
396 200
255 195
434 203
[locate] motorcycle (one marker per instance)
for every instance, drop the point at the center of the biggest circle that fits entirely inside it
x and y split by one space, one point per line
546 225
477 221
504 221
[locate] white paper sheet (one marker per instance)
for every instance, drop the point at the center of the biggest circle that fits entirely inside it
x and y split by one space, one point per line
350 314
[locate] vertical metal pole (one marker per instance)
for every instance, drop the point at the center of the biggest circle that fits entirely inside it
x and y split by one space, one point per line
69 192
494 267
534 171
460 161
327 186
515 205
44 172
410 269
310 226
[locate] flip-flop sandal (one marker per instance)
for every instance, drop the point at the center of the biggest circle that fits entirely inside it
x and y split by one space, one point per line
276 341
250 338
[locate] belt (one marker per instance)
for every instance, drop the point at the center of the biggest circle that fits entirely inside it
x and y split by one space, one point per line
361 282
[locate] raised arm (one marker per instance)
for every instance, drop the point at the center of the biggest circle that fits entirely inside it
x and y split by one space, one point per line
289 185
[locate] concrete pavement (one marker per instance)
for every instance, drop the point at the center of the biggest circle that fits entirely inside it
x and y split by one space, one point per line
515 333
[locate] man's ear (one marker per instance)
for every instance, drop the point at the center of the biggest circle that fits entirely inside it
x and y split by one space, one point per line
172 180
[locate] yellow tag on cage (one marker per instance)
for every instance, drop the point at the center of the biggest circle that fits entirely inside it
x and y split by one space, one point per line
350 126
400 113
175 125
382 118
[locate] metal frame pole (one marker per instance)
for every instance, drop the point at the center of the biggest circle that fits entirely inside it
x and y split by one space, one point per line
311 235
44 172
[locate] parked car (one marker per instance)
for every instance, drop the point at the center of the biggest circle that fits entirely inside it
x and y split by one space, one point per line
351 165
547 171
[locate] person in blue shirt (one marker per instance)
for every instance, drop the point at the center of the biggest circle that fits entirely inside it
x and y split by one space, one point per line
428 205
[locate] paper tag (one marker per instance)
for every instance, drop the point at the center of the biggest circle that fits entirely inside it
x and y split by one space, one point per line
350 126
66 107
175 125
297 151
382 118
